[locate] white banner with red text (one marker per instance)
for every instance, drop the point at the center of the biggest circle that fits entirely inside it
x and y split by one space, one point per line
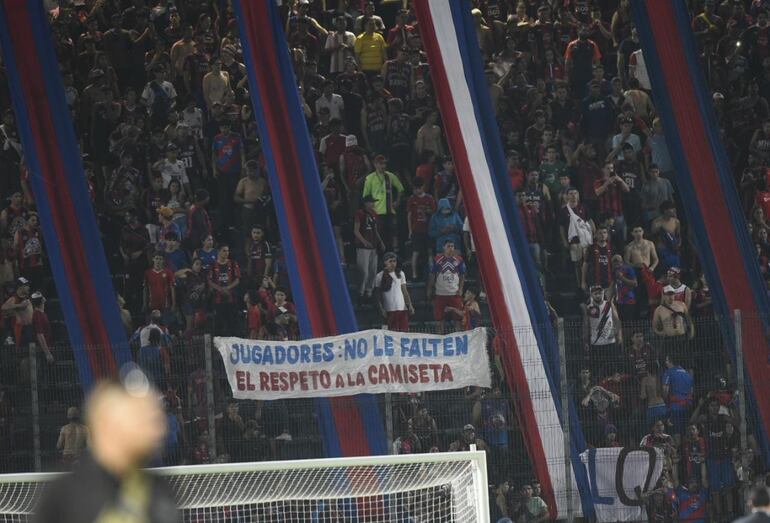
366 362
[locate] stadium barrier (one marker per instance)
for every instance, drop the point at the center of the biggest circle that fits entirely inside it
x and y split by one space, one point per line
209 427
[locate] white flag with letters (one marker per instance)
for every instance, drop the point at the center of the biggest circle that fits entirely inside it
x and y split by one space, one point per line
618 476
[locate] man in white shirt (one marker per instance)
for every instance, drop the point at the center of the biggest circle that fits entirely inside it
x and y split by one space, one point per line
171 167
159 86
393 295
339 45
330 100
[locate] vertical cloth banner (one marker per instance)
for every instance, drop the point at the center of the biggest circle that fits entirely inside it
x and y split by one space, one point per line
52 155
619 476
350 426
707 189
524 340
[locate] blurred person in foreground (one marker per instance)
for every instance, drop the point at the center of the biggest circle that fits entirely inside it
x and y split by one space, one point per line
126 427
760 507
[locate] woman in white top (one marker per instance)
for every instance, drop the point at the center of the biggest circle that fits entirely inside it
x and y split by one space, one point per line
392 294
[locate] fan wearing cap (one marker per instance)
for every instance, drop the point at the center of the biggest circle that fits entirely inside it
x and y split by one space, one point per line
367 238
467 438
392 294
354 165
682 292
172 168
386 189
671 320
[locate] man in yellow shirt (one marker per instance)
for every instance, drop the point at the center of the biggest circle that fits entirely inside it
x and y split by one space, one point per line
370 49
386 189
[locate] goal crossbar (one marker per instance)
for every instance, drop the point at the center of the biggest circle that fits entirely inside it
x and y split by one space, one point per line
227 484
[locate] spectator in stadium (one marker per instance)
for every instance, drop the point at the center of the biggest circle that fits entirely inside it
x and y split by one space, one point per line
420 207
370 47
445 284
282 317
159 287
194 292
386 189
467 438
248 192
533 508
677 391
150 359
492 412
602 333
368 239
671 321
42 329
721 475
73 439
624 291
392 294
224 279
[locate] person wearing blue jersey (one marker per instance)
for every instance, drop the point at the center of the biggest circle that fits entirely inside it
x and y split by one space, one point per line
677 391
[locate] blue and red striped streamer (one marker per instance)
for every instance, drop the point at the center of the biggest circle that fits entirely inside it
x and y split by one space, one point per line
72 239
524 339
350 426
707 188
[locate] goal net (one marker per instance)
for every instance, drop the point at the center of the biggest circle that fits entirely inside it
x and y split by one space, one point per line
414 488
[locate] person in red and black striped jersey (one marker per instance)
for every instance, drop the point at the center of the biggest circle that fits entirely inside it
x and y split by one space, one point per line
597 269
609 189
534 228
224 278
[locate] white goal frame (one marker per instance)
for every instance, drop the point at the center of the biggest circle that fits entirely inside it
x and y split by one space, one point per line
32 483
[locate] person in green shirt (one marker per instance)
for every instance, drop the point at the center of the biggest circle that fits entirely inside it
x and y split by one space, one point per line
533 509
551 168
386 189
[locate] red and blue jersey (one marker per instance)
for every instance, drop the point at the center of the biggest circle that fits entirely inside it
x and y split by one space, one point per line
692 505
227 153
625 294
680 384
448 270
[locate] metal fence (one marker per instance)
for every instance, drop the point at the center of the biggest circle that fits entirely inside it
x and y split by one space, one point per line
616 392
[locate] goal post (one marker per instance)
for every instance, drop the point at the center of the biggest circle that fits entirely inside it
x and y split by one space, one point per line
438 487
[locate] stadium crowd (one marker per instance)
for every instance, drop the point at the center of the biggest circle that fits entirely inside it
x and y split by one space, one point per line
158 93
